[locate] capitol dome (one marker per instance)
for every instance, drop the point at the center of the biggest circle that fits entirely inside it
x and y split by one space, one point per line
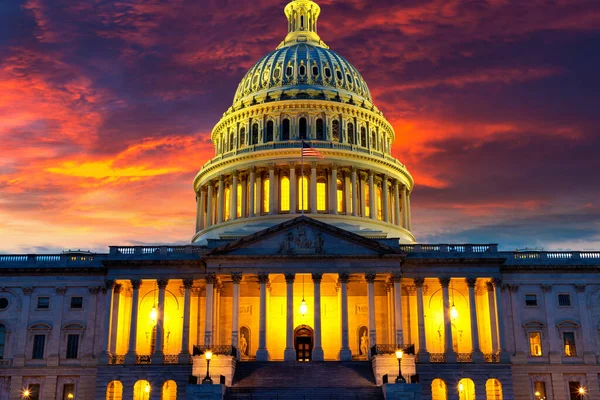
303 96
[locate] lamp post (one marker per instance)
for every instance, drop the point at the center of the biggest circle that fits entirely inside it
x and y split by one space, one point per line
400 378
208 356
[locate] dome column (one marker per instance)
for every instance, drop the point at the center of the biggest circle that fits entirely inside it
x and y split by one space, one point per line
220 200
333 190
363 199
372 195
398 218
209 206
234 199
272 196
384 193
313 187
252 180
408 218
201 204
293 188
404 207
354 193
259 194
244 183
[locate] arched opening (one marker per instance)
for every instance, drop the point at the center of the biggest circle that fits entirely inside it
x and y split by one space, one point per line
231 141
340 196
335 130
302 125
169 391
243 137
2 340
493 389
266 195
114 391
227 203
321 194
303 193
284 194
238 210
320 130
466 389
438 390
367 202
379 204
351 133
141 390
303 342
363 137
245 341
373 141
269 135
255 134
285 129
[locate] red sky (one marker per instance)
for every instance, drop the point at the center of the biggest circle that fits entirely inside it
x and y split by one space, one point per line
106 110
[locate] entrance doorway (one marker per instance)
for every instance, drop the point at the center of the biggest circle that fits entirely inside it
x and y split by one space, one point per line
303 342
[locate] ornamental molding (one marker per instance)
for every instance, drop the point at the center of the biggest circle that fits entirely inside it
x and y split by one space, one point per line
370 277
300 242
580 288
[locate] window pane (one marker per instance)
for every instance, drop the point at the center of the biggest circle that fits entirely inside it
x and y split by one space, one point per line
564 300
285 130
340 196
227 203
367 201
303 128
531 300
285 194
379 204
351 133
320 130
539 390
303 194
569 343
38 347
321 196
43 302
335 128
68 391
239 200
266 199
535 344
72 346
76 302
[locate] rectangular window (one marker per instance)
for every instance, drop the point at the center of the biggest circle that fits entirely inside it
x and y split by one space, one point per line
72 346
77 302
575 392
535 344
68 391
43 303
531 300
564 300
38 347
539 390
34 392
569 344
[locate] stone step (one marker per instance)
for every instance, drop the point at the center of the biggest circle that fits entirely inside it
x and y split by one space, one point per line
304 393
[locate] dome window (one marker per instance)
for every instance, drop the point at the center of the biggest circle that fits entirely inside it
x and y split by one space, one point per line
255 80
315 70
320 130
302 70
243 137
289 71
277 73
255 134
303 128
285 129
349 77
327 73
335 130
339 75
351 133
363 137
231 141
269 133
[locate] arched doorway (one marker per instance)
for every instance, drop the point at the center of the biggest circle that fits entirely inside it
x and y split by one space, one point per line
303 342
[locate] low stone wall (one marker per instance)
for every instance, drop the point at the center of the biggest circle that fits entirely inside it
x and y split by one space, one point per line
219 365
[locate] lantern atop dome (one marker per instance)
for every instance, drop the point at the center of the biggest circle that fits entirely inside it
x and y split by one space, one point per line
302 18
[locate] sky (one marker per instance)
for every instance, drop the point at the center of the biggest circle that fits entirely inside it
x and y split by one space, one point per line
106 109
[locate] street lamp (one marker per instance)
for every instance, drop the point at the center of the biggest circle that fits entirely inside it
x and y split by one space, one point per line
400 378
582 392
208 356
70 396
26 394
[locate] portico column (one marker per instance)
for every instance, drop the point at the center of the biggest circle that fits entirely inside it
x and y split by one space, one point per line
252 206
404 208
236 278
423 353
313 187
234 199
262 354
504 355
386 203
493 322
354 193
397 216
273 206
184 355
399 335
220 200
131 356
208 307
333 186
345 352
588 348
477 354
106 336
372 196
448 348
290 353
159 355
209 206
293 188
370 278
317 353
114 331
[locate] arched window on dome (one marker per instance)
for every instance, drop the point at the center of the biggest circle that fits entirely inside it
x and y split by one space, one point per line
379 201
320 130
242 137
340 196
321 195
284 194
239 200
363 136
227 203
303 193
335 130
269 133
231 141
285 129
367 202
351 133
303 127
373 140
255 134
266 196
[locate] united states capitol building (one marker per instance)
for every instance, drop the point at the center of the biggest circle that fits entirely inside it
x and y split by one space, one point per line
303 276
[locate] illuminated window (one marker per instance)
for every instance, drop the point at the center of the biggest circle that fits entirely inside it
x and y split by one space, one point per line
373 140
367 202
285 129
239 201
321 195
535 344
379 204
284 188
335 130
303 128
269 133
243 137
303 193
539 390
231 141
266 187
569 344
340 196
256 206
351 133
227 203
320 130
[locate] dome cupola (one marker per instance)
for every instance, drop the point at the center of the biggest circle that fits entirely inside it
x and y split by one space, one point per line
302 18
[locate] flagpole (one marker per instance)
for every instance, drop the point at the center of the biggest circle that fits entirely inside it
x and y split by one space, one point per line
302 176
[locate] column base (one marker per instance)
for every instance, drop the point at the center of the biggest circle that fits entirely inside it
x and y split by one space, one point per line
104 358
184 358
131 358
317 354
262 355
289 355
451 357
345 355
158 358
477 357
424 357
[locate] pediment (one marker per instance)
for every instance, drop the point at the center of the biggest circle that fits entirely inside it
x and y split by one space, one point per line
303 237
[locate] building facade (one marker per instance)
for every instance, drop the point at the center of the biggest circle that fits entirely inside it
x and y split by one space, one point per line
303 252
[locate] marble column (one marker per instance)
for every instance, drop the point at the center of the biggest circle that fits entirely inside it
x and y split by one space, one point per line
159 355
289 353
345 352
293 189
423 353
114 330
259 195
370 278
386 203
209 206
273 206
216 339
333 184
234 199
363 194
449 349
244 183
354 193
588 346
493 321
313 187
252 189
131 356
404 216
347 194
208 307
317 353
372 197
408 214
504 354
397 216
398 334
262 354
184 354
221 200
476 350
236 278
199 211
106 336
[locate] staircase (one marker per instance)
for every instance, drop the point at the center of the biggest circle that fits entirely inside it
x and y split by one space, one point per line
327 380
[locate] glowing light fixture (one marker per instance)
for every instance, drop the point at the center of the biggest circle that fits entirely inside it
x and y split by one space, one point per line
537 394
26 393
147 388
581 390
461 387
400 378
453 310
207 380
303 306
154 314
70 396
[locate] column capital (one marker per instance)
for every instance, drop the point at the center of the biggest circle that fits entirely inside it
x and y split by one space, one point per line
236 277
117 288
136 283
253 169
546 288
334 167
419 282
271 166
289 278
94 289
313 165
292 164
471 281
188 283
396 277
497 282
234 173
344 277
211 278
61 290
353 169
162 283
263 278
579 288
317 278
109 284
370 277
513 288
371 173
445 281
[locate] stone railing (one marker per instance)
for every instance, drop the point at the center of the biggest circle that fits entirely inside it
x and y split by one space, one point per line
556 255
464 357
171 359
379 349
143 359
116 359
449 248
491 357
154 251
225 350
437 357
50 258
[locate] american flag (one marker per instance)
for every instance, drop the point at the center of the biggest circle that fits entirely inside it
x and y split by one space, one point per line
309 151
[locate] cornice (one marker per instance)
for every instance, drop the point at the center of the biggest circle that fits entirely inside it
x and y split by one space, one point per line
53 271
